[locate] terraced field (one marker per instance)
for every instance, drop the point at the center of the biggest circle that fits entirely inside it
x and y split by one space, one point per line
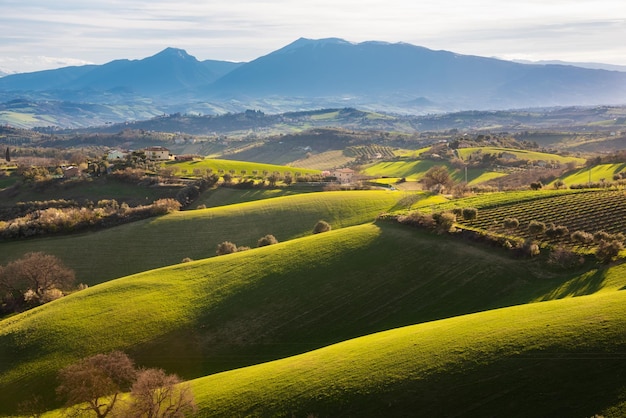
589 211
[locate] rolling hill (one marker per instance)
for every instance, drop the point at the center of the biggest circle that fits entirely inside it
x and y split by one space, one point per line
289 298
157 242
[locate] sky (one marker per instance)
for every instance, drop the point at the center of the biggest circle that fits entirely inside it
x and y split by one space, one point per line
45 34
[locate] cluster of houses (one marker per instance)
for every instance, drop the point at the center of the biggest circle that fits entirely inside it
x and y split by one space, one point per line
152 153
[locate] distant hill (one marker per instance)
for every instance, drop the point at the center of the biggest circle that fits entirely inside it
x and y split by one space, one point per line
309 74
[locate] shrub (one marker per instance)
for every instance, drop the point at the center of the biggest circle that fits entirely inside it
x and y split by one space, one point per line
564 258
445 221
321 226
510 223
469 214
267 240
226 247
536 227
530 248
608 250
582 237
600 236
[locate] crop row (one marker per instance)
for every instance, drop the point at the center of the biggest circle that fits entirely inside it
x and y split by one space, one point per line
590 212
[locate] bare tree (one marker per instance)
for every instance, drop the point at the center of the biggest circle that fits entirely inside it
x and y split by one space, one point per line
37 273
95 383
438 177
156 394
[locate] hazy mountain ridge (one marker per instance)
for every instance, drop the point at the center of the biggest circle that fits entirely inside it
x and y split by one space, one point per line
310 74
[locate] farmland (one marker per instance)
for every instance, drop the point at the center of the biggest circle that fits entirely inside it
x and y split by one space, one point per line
236 310
375 317
589 211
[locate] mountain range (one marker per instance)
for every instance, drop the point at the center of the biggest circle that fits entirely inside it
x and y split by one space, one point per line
308 74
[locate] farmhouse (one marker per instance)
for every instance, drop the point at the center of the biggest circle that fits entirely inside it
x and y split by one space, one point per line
116 155
158 153
71 172
344 175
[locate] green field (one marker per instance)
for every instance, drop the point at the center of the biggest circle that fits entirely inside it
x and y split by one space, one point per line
272 302
594 174
560 358
157 242
464 153
237 168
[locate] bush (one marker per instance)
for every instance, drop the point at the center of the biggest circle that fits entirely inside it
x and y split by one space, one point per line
226 247
582 237
608 250
267 240
445 221
564 258
321 226
510 223
536 227
469 214
530 248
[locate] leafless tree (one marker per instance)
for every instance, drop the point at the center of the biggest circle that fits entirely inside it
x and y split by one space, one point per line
95 383
37 273
156 394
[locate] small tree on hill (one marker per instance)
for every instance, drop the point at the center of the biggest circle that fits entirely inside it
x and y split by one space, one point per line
510 223
156 394
95 383
321 226
226 247
7 155
438 178
470 214
536 227
267 240
40 276
608 250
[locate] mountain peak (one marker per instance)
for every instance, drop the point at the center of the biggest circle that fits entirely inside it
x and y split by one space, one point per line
302 42
174 53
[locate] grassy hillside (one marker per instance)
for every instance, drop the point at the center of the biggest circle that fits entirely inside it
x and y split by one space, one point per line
464 153
560 358
268 303
594 174
157 242
218 165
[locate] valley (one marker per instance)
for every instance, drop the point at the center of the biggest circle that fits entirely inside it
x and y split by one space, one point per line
286 253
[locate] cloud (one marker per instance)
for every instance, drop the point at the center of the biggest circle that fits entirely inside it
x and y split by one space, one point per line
241 30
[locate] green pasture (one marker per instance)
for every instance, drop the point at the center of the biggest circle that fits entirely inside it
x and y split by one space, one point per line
93 190
239 168
131 248
464 153
327 160
411 170
222 196
559 358
594 174
273 302
410 153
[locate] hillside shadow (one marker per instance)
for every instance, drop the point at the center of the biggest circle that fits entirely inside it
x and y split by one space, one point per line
585 284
